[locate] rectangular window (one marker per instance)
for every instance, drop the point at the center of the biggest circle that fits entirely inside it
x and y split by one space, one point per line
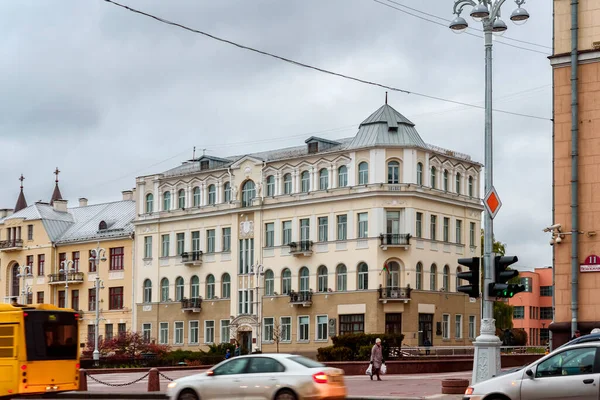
342 227
148 247
195 241
209 331
419 227
458 231
352 323
445 326
287 232
446 230
41 264
115 298
91 333
323 227
121 329
40 297
303 328
270 234
92 264
527 283
363 225
472 327
268 326
194 332
519 312
92 299
472 234
76 261
29 232
545 312
210 241
75 299
178 339
225 331
322 327
62 257
61 299
458 326
546 291
180 243
286 329
163 333
245 301
433 227
304 229
117 255
108 331
226 239
146 332
246 258
165 244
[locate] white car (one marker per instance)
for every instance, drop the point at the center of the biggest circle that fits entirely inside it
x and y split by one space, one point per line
571 372
262 376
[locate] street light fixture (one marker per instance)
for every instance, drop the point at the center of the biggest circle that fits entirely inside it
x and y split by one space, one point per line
24 272
487 344
258 272
97 255
66 270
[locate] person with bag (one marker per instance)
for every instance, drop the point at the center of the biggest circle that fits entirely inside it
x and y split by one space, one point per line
376 359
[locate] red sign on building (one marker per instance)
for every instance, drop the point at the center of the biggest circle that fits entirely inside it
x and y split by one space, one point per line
591 264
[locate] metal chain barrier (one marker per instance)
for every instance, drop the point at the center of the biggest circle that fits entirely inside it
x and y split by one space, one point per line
164 376
117 384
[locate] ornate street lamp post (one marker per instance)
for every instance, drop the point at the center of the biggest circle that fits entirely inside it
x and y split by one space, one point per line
24 272
97 255
66 269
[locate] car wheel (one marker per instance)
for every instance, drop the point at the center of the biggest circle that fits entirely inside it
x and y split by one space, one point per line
187 394
285 394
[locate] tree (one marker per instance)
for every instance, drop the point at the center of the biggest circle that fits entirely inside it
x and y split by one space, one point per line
277 333
503 314
499 248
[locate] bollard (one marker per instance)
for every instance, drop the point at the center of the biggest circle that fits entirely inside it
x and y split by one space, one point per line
153 381
454 386
82 380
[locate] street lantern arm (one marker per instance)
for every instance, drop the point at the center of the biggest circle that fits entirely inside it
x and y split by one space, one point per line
460 4
493 6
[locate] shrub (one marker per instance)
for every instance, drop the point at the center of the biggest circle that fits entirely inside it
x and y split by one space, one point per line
357 346
364 353
324 353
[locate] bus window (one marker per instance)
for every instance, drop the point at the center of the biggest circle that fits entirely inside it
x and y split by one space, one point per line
51 335
7 337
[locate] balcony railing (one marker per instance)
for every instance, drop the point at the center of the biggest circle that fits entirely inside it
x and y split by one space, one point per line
394 294
304 298
191 258
394 240
12 244
74 277
303 247
193 305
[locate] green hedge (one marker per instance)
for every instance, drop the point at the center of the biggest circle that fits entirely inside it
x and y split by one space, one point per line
357 346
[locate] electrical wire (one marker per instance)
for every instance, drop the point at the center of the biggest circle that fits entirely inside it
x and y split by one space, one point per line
300 64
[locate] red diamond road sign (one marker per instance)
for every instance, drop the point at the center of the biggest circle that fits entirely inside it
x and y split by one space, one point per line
492 202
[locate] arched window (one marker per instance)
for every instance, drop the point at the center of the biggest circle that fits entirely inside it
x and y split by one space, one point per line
147 291
287 184
458 271
212 195
342 176
305 182
164 290
363 276
181 198
433 178
342 278
304 282
419 283
458 183
322 279
323 179
166 201
286 281
15 281
102 226
445 177
225 286
149 202
248 193
269 283
210 286
363 173
446 278
393 172
433 278
393 278
179 289
419 174
195 287
197 197
470 186
227 192
270 185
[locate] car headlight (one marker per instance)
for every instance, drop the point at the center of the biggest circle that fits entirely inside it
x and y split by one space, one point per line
469 390
172 385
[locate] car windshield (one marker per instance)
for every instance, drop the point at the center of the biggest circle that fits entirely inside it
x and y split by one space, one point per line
306 362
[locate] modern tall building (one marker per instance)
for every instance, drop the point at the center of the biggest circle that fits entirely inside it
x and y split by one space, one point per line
295 245
576 177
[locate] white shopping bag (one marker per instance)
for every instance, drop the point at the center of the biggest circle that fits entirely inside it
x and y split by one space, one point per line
383 369
369 370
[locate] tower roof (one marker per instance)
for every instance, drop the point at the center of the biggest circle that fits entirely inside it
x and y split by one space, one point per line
56 195
21 202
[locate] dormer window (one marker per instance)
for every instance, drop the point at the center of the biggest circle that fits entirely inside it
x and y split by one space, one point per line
204 164
393 129
102 226
313 147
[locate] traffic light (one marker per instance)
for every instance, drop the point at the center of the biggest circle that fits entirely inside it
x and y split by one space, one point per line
500 287
472 276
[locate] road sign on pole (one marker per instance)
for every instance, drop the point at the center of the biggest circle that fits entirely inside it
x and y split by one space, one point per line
492 202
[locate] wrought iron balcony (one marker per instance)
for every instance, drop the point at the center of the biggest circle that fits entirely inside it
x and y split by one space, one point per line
302 248
191 258
193 305
394 240
12 244
304 298
391 293
74 277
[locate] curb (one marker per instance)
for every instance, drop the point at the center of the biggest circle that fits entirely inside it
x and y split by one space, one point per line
162 396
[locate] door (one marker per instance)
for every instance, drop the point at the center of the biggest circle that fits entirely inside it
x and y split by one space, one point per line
393 277
425 328
15 281
226 381
393 323
245 342
571 374
262 378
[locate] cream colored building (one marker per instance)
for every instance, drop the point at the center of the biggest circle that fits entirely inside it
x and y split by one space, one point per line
37 241
295 241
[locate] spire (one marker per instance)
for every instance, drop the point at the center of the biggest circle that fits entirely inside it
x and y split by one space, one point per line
21 202
56 194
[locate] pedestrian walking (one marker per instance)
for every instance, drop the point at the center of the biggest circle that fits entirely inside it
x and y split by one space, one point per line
227 354
376 359
427 345
236 352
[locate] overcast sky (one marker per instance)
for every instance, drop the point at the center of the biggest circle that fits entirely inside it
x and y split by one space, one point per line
107 95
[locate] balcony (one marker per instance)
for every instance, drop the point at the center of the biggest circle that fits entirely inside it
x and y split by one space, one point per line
394 294
192 305
73 277
302 248
11 245
394 240
191 258
302 298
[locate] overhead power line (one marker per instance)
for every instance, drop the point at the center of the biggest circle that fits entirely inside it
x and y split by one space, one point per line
300 64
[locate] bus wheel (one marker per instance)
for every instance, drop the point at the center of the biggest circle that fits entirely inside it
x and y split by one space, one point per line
187 395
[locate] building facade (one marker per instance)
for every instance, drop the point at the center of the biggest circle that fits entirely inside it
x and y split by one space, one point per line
532 310
575 286
290 247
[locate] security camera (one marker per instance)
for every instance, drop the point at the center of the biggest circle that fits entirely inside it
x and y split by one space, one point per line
553 227
558 240
552 242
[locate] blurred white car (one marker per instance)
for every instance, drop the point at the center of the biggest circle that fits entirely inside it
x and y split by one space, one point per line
262 376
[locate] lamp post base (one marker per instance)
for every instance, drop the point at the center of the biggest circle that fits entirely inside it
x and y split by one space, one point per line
486 360
96 357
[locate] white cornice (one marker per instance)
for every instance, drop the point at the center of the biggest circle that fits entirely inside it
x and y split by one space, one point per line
583 58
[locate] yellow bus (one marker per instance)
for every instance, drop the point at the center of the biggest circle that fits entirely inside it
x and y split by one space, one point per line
39 349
